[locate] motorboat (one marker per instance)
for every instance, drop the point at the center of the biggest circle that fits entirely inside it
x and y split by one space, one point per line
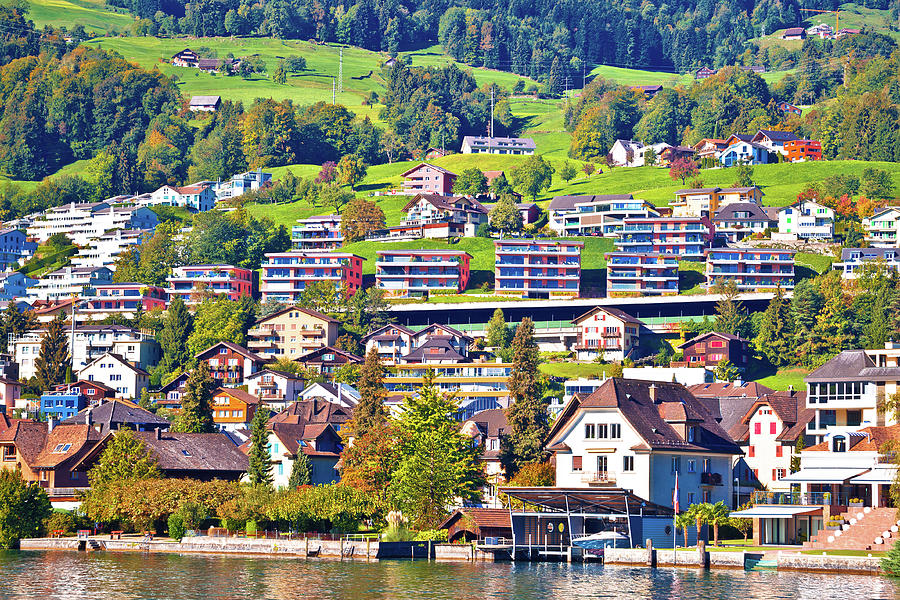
603 539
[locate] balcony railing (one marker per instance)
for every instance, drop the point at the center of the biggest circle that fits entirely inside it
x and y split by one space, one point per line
710 479
801 498
599 478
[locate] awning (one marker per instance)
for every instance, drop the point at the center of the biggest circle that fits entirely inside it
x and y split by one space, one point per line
776 512
877 475
823 475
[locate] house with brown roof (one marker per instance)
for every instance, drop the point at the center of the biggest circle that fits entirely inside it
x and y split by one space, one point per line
391 341
21 440
291 332
638 435
233 408
115 414
607 332
230 363
462 214
486 428
114 371
277 389
709 349
477 524
709 148
290 439
56 465
437 344
315 411
329 359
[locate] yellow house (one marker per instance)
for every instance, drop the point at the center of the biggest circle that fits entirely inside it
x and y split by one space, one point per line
707 201
291 332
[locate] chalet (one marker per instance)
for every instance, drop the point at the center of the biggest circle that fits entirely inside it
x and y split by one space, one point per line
433 153
463 214
57 464
530 212
487 428
233 408
277 389
229 363
673 153
774 140
709 148
735 138
709 349
794 33
391 342
204 103
21 440
186 58
648 90
704 73
787 107
607 333
171 393
426 178
329 359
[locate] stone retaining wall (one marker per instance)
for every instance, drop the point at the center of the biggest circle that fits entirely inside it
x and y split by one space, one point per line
829 564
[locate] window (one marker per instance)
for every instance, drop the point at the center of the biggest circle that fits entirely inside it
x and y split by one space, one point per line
705 495
615 431
223 350
602 431
62 448
590 432
628 463
691 498
576 463
772 428
185 452
676 464
692 466
275 448
691 433
281 468
779 451
779 473
757 428
752 451
840 444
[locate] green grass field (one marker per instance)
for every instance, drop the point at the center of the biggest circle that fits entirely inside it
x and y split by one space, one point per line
852 16
94 15
640 77
574 370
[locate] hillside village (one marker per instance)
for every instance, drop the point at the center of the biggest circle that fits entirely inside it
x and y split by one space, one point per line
676 311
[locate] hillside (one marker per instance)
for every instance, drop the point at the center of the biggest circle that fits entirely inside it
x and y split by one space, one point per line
93 15
852 16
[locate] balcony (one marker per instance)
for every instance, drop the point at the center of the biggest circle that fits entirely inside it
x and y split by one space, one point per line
599 478
710 479
801 499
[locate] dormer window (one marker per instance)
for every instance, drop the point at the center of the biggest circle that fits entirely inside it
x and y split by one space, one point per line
691 433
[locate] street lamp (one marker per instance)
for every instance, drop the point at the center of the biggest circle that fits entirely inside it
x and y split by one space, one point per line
737 496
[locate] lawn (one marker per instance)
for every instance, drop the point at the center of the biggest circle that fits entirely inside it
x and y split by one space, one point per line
94 15
785 378
639 77
817 262
575 370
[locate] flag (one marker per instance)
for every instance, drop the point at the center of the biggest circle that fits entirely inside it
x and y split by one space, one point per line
675 494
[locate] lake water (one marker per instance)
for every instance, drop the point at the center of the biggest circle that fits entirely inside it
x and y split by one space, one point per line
119 576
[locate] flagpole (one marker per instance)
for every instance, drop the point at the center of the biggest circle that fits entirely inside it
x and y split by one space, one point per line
674 524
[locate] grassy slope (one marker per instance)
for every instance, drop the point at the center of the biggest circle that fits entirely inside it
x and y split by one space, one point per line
640 77
94 15
852 16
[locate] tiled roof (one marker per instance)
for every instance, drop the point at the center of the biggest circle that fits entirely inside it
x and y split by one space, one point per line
491 423
314 354
291 436
727 212
487 518
65 442
239 394
729 390
206 452
446 328
405 330
316 410
116 412
28 436
234 348
701 337
615 312
867 439
435 342
307 311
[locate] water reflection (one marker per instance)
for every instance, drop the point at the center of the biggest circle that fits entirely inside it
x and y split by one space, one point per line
101 576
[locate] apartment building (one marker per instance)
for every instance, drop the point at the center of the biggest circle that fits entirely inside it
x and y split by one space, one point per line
103 250
418 273
595 215
138 347
241 183
640 435
192 282
317 233
882 227
286 274
607 333
803 150
14 285
198 197
291 332
739 220
807 220
481 144
476 386
537 268
847 392
66 282
641 274
425 178
125 299
751 268
687 237
85 221
13 248
854 261
118 373
706 202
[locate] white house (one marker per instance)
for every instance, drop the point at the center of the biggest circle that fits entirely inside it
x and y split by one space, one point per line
64 283
338 393
607 332
497 145
637 435
241 183
882 227
743 152
855 260
91 342
391 341
806 220
118 373
600 214
276 388
197 197
626 153
774 140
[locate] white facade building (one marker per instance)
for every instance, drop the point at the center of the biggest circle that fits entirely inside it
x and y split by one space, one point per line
882 228
806 220
855 260
105 249
64 283
118 373
84 222
241 183
197 197
595 215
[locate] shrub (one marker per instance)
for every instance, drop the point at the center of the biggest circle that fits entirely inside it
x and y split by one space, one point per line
67 522
176 526
431 535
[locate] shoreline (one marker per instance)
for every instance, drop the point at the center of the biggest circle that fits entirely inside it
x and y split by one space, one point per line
373 550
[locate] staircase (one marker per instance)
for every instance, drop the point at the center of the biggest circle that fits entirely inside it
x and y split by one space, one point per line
861 528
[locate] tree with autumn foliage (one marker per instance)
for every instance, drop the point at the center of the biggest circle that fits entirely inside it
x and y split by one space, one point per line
369 462
682 168
360 217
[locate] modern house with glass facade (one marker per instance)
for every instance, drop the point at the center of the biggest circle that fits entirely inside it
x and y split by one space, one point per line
317 233
409 273
641 273
537 268
687 237
751 268
191 281
286 274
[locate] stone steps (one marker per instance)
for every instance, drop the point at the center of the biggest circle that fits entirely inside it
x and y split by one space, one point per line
862 528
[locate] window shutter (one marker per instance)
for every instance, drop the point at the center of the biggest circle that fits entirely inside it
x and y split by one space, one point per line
576 463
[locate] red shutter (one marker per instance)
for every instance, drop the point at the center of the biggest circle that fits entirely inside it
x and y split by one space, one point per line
752 451
772 428
576 463
757 428
779 451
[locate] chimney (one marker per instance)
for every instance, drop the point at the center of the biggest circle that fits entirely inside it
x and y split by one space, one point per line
87 417
791 388
652 391
158 433
51 423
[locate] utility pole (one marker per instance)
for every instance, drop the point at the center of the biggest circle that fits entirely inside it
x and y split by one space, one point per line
492 111
332 91
341 71
583 73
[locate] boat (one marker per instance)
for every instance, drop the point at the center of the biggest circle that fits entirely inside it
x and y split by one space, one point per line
601 540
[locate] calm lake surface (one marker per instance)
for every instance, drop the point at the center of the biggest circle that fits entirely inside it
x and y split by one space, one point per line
132 576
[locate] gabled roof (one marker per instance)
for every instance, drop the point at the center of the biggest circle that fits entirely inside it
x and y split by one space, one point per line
238 394
867 439
118 358
28 437
205 452
727 212
703 336
615 312
284 374
315 410
297 438
852 365
481 518
176 383
775 136
204 100
377 332
66 442
314 354
725 389
651 408
116 412
445 328
436 347
234 348
307 311
424 164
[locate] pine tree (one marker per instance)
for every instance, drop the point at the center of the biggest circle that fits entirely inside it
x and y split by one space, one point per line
53 360
775 338
173 338
527 413
370 408
196 403
833 330
301 471
798 448
438 464
731 316
260 470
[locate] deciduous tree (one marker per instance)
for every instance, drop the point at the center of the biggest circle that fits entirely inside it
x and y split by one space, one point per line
471 182
682 168
23 508
351 170
360 217
533 176
505 215
124 458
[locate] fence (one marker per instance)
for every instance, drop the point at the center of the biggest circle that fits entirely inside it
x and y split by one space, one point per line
274 534
801 499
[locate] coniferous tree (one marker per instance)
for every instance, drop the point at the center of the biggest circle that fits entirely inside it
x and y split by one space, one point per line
833 330
53 360
260 470
731 316
174 336
775 337
196 403
795 457
369 411
301 471
527 413
438 464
